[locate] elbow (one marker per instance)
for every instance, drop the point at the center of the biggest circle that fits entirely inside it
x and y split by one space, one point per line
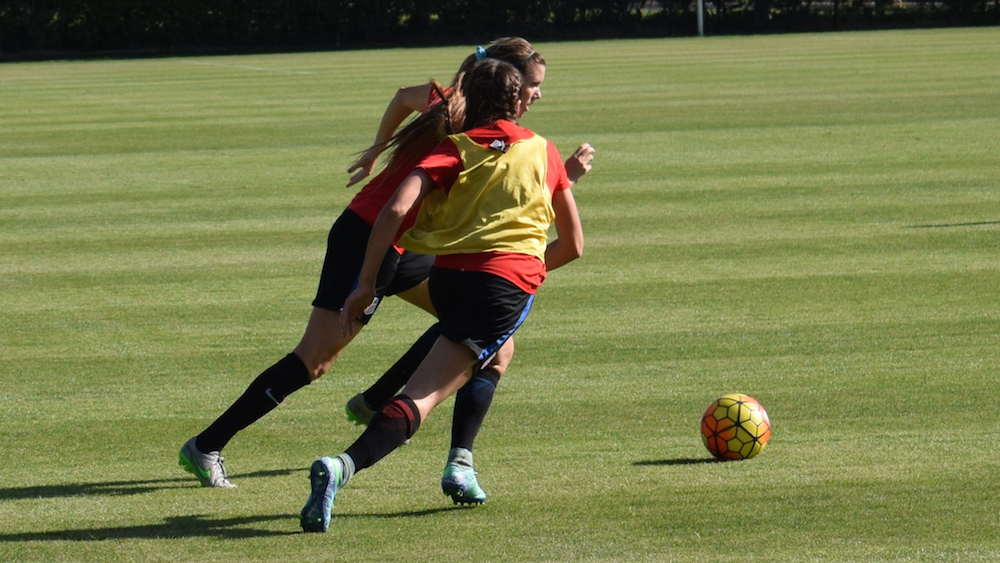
576 249
397 211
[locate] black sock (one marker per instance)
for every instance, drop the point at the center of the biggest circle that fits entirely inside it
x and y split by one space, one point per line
261 397
471 405
383 390
389 429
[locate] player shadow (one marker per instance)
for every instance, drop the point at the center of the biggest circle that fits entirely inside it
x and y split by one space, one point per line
171 528
122 488
952 225
678 461
407 513
200 526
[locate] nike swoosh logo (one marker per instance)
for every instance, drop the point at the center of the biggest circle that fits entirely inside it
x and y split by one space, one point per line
271 396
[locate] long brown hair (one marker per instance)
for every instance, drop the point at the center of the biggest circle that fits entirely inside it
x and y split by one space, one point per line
411 143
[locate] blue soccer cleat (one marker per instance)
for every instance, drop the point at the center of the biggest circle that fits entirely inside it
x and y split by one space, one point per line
324 478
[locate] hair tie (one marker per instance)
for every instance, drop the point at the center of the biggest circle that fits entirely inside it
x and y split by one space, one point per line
480 53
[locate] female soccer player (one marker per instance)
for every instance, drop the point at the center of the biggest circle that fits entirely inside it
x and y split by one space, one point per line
323 341
487 197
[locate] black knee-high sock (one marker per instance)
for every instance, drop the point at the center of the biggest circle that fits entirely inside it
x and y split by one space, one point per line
261 397
383 390
389 429
471 405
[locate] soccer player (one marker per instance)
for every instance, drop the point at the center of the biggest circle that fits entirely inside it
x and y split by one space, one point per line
323 341
486 198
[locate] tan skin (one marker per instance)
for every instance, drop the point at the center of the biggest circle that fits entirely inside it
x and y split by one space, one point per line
324 339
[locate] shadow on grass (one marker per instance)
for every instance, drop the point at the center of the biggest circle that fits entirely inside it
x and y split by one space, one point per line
407 513
950 225
122 488
200 526
679 461
171 528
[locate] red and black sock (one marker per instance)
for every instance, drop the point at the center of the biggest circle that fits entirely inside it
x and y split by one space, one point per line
389 429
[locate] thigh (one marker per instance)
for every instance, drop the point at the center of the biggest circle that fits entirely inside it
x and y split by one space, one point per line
345 253
445 369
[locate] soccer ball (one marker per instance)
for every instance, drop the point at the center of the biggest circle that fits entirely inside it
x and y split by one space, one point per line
735 427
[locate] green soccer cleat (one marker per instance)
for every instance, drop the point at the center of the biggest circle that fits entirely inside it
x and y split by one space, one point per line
324 478
459 479
207 467
358 411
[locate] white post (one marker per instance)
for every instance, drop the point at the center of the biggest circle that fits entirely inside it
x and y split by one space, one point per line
701 18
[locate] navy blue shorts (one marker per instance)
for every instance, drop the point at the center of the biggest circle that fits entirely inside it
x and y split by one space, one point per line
345 253
477 309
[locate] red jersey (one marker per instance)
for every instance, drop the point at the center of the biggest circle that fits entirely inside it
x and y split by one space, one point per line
368 202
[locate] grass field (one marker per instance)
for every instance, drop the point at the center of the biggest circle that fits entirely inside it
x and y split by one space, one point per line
813 220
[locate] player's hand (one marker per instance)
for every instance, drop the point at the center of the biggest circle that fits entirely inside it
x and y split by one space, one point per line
580 162
357 302
363 167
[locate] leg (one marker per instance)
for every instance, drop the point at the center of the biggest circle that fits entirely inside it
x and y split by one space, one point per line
320 345
411 273
363 407
445 369
474 399
471 405
323 341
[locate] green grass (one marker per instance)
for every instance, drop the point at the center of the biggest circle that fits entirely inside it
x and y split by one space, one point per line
809 219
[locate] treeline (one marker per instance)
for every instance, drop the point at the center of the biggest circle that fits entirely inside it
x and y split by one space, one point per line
91 26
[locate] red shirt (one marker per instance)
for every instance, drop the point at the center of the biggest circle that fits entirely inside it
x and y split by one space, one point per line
368 202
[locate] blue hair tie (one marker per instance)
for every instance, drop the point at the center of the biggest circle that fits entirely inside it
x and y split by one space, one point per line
480 53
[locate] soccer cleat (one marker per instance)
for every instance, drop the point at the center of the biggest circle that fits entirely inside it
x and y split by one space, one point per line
358 411
207 467
459 479
461 485
324 477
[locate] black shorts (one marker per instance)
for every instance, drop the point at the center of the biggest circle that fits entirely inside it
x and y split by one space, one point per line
477 309
345 253
411 270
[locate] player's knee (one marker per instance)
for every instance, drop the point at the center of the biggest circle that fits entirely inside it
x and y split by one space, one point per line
498 366
503 357
317 371
316 363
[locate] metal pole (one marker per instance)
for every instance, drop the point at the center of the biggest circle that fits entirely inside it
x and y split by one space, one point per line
701 18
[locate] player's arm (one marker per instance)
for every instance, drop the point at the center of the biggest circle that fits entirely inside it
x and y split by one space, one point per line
406 101
569 245
407 196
